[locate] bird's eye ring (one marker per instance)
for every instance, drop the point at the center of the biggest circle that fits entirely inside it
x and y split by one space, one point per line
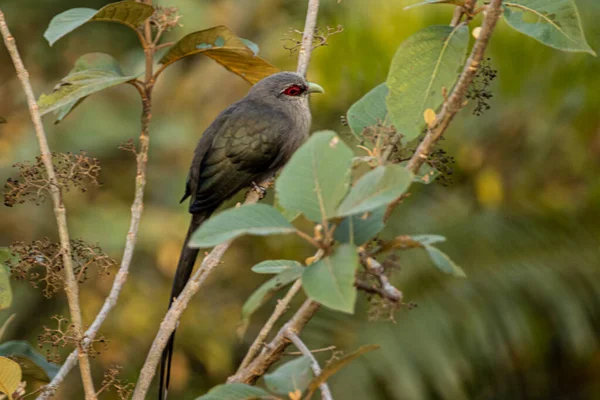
293 90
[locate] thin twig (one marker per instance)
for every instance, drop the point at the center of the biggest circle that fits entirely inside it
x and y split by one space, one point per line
71 286
456 100
297 353
273 351
281 307
137 208
325 392
307 37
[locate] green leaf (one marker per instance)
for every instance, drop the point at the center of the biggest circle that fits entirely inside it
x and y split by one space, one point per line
368 111
219 43
124 12
92 73
422 3
276 266
424 63
251 219
428 239
330 281
316 178
336 365
10 376
359 229
267 290
376 188
236 391
556 23
6 324
291 376
443 262
32 363
6 296
289 215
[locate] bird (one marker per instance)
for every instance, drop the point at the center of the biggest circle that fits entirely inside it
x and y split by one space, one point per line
245 145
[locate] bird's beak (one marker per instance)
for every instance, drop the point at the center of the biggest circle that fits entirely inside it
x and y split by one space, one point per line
314 88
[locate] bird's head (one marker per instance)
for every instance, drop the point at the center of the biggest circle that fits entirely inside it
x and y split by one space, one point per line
288 87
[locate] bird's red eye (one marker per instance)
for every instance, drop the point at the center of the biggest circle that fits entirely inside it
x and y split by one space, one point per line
293 90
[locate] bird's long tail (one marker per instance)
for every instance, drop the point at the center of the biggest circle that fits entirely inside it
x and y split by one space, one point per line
182 275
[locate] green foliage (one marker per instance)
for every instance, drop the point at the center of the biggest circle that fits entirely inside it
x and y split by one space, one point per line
439 259
267 290
336 365
425 63
276 266
32 363
359 229
219 43
316 178
330 281
127 13
251 219
92 73
369 110
236 391
6 296
375 189
557 23
292 376
422 3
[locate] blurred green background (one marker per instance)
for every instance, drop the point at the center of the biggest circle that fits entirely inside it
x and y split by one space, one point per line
521 214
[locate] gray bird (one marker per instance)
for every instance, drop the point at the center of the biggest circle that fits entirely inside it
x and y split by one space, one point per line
246 144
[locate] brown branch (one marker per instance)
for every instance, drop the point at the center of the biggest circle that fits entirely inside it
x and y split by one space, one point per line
307 37
71 287
325 391
455 101
282 306
145 90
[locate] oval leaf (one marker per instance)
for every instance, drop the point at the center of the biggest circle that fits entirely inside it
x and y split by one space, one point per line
32 363
443 262
291 376
219 43
92 72
359 229
236 391
10 376
316 178
428 239
330 281
267 290
124 12
425 63
5 289
557 23
276 266
368 111
252 219
376 188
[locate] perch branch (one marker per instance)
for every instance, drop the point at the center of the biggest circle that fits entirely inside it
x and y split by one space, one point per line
213 259
71 286
325 392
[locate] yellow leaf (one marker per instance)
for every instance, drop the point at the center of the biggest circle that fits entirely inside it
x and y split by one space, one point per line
430 117
476 32
489 188
295 395
10 376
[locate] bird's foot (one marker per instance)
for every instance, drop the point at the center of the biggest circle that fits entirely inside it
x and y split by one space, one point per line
262 191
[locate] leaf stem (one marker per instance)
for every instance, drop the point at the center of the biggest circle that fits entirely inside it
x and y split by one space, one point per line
325 392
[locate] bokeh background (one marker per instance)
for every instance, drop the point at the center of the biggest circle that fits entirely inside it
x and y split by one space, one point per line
521 213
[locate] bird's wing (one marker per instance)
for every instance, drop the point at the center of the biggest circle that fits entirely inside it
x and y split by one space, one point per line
242 151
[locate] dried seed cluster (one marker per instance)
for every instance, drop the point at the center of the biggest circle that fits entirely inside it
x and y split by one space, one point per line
73 171
479 89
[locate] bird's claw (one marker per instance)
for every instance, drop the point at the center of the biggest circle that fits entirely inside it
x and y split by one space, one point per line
262 191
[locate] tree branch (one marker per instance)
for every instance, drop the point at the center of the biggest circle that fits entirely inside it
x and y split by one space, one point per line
456 100
325 392
71 286
282 306
307 37
145 89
